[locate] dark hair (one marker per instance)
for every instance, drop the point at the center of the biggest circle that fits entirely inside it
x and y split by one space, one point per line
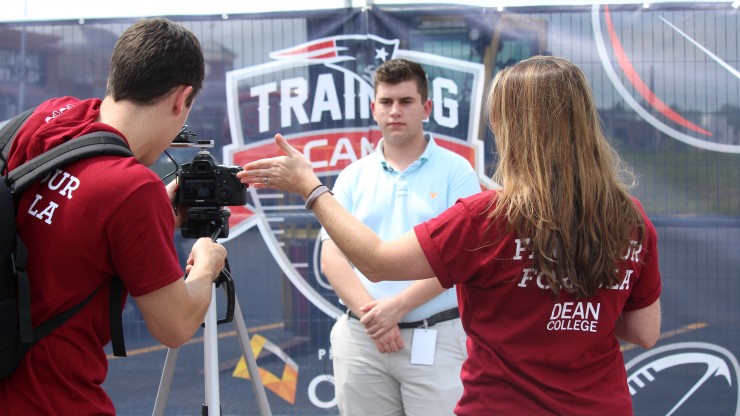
151 58
399 70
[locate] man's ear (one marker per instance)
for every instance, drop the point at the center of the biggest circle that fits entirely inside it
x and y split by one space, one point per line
427 108
181 98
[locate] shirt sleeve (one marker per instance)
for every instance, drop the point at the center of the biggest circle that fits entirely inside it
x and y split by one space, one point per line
449 242
648 287
141 234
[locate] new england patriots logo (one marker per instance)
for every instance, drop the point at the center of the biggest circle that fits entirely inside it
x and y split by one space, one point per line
359 54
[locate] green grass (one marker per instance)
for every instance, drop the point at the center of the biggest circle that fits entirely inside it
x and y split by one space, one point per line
687 183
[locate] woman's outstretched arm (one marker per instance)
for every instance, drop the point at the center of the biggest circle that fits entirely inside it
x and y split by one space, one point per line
401 258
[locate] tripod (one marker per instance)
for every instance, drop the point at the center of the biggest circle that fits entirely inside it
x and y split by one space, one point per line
212 404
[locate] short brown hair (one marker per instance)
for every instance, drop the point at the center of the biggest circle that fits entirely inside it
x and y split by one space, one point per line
152 57
400 70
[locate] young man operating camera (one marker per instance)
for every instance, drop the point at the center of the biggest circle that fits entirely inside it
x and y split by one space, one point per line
117 219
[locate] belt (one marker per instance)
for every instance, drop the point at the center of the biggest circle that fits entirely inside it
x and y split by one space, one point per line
447 315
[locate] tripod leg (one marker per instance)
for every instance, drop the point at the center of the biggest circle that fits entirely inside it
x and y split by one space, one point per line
166 381
210 352
257 387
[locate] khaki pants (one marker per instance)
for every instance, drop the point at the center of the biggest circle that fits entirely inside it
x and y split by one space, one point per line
370 383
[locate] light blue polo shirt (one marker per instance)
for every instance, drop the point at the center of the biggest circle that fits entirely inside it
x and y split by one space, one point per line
392 202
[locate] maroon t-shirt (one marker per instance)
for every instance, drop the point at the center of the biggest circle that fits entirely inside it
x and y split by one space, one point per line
528 352
86 222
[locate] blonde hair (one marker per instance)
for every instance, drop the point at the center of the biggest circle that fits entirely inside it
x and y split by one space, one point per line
564 186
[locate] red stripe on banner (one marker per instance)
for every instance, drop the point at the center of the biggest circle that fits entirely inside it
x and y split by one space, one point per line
305 49
639 84
331 54
331 152
238 215
327 151
461 149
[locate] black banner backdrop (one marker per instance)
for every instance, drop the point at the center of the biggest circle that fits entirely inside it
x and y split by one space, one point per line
667 84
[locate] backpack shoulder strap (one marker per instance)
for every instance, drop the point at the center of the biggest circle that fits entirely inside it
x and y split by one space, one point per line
8 133
88 145
54 322
115 311
10 241
116 319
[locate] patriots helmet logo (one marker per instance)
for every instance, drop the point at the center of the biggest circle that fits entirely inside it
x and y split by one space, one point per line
688 377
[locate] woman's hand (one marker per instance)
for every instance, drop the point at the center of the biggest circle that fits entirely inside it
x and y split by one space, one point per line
292 172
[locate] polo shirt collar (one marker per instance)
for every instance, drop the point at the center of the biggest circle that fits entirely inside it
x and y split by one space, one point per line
430 149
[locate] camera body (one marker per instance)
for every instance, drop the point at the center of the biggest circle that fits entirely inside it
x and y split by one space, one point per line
204 188
203 182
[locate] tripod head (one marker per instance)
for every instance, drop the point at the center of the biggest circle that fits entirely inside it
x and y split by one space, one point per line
206 221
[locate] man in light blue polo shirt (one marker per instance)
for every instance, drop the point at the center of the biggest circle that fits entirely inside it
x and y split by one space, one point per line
408 179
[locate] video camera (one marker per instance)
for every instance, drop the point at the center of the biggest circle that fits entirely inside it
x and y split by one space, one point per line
205 187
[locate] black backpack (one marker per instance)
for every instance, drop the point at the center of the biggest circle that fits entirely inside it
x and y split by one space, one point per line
17 335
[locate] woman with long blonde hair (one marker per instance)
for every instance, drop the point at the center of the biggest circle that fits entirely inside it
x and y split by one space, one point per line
560 177
552 270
